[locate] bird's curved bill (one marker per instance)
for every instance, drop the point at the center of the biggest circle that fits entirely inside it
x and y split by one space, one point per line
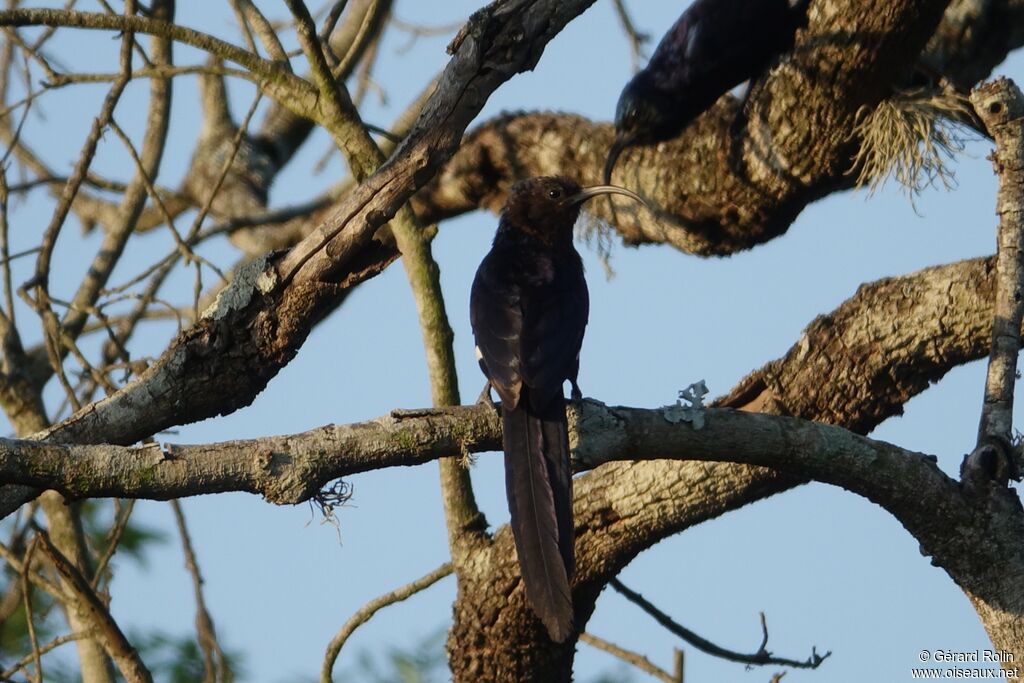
618 145
595 190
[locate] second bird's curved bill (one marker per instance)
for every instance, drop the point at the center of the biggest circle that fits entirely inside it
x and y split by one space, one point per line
595 190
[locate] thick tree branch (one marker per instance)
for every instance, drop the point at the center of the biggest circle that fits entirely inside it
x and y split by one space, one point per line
732 179
853 367
974 37
706 204
284 469
291 469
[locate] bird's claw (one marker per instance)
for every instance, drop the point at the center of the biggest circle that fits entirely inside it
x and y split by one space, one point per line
485 397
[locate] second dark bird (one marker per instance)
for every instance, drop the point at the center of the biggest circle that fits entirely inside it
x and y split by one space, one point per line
528 308
713 47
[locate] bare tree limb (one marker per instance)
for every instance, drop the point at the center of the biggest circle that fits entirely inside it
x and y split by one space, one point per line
366 612
759 658
1001 107
123 515
215 664
108 632
266 33
273 77
292 468
26 594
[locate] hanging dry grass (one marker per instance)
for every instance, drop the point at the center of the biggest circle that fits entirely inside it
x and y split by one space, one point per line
912 137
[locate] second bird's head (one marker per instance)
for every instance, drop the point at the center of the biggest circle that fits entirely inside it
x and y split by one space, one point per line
548 206
644 115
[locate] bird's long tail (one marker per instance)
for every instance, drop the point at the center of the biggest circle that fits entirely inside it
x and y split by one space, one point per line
539 486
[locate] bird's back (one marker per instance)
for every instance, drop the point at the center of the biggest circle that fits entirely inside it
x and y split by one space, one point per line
717 44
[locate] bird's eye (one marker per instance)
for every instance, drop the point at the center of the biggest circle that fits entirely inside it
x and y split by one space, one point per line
554 193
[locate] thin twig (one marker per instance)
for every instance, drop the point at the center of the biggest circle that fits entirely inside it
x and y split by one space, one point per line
186 251
635 37
114 536
40 280
366 612
630 657
364 76
243 23
329 24
371 18
273 75
759 658
236 144
155 71
26 594
417 31
38 579
52 645
215 665
265 31
5 254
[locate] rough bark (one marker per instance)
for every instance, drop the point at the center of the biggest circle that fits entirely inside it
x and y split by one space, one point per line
764 170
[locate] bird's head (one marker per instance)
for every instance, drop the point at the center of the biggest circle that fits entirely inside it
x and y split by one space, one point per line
548 206
642 116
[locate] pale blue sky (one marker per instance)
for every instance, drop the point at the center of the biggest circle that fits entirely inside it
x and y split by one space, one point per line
828 568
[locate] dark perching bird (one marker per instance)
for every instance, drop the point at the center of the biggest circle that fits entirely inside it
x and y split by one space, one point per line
529 307
713 47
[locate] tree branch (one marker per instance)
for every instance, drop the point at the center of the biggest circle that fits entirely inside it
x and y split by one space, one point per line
1001 108
366 612
216 668
274 78
293 468
107 630
760 658
633 658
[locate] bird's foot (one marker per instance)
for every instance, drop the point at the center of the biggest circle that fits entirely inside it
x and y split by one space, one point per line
485 397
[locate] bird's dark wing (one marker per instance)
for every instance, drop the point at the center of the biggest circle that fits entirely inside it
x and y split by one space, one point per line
528 317
495 313
718 44
552 328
